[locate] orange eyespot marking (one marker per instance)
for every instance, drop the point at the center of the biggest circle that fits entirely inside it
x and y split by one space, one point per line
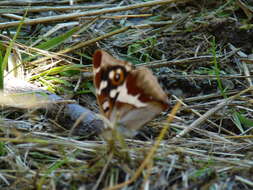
117 77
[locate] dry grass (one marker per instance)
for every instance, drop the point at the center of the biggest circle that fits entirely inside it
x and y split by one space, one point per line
200 51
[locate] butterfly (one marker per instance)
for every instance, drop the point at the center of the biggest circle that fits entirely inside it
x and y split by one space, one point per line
127 96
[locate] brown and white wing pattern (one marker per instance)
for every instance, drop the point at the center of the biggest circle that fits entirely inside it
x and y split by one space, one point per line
127 95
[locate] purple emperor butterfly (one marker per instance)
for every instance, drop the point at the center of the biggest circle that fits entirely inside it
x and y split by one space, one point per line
127 95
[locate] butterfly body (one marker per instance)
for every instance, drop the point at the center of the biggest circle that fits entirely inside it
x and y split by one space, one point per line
126 95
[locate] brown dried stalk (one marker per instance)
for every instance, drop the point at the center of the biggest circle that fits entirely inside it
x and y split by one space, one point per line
88 13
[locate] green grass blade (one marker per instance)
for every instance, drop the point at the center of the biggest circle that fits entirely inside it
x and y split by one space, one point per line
57 70
216 68
237 121
4 61
55 166
1 71
54 42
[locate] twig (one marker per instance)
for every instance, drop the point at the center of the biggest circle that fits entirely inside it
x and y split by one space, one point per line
206 97
83 44
165 63
244 65
12 9
204 117
12 16
206 76
32 2
244 180
200 115
88 13
102 173
120 16
247 73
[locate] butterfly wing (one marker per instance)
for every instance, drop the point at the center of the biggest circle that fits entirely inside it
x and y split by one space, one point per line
150 99
129 96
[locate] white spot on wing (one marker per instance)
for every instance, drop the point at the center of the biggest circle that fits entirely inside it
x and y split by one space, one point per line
105 105
113 93
102 86
128 98
111 75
